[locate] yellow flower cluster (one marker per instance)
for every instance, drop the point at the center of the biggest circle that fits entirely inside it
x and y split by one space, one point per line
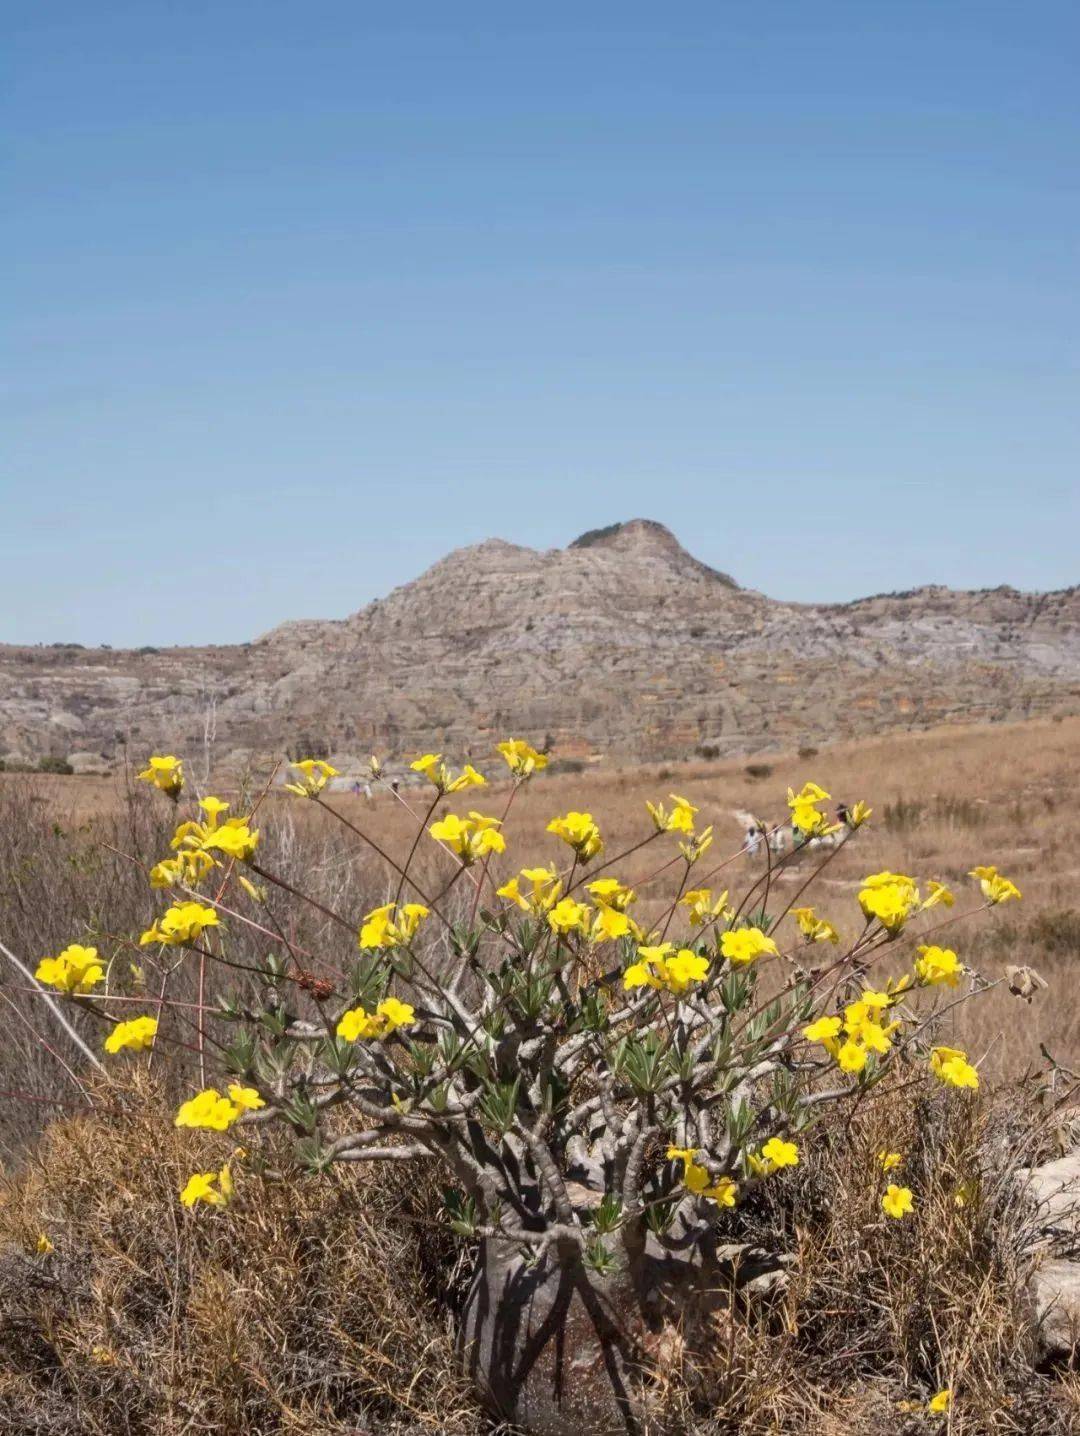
358 1025
544 889
315 773
166 773
701 908
471 838
579 832
521 759
182 923
679 820
136 1035
612 921
235 838
696 1179
861 1029
938 966
814 928
211 1110
436 771
77 969
187 869
806 817
893 897
382 929
995 888
664 967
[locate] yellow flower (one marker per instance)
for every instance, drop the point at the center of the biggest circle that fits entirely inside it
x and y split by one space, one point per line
940 1402
382 930
858 814
646 973
936 966
76 969
611 892
611 923
682 1154
952 1066
225 1180
358 1025
184 922
746 944
166 773
702 908
207 1187
521 759
939 894
569 916
696 1178
315 774
811 793
814 928
875 1038
889 897
137 1034
679 820
851 1057
664 967
824 1030
187 869
995 888
436 771
256 894
779 1153
43 1246
725 1192
207 1109
805 817
684 968
889 1160
897 1201
545 888
698 844
245 1098
473 837
235 839
394 1014
580 832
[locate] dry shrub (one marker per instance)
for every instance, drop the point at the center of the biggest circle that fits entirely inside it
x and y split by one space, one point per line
310 1306
877 1312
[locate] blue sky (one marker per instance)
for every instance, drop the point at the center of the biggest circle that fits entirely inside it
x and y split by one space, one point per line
300 297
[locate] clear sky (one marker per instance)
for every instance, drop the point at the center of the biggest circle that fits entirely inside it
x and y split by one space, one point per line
301 296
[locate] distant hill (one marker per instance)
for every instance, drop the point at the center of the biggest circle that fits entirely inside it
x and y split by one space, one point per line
621 643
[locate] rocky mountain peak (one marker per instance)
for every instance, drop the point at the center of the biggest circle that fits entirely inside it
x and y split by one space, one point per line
646 540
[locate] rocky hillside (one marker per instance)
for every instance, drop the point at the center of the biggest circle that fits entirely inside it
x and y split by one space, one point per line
622 642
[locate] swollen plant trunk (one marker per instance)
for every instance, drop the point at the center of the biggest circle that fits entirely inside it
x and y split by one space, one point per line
560 1350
